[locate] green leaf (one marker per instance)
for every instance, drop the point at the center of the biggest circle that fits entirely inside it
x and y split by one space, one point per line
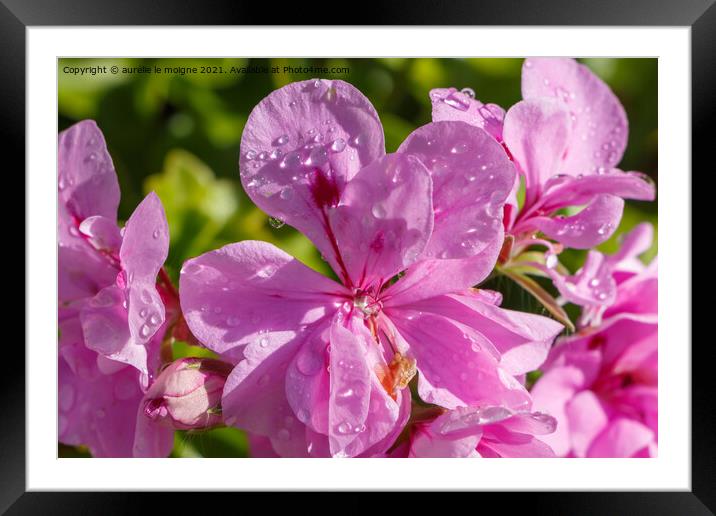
220 442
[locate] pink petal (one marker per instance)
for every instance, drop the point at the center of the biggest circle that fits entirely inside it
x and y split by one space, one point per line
384 219
454 369
588 228
452 105
145 246
321 133
537 133
430 278
81 360
472 178
598 120
106 329
382 418
252 292
638 295
307 379
260 447
592 285
580 190
550 395
151 439
87 182
587 419
533 423
520 341
255 394
350 390
465 421
81 274
100 412
425 444
523 340
102 233
524 446
633 243
622 438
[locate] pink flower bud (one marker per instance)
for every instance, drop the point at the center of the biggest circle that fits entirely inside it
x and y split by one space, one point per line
187 394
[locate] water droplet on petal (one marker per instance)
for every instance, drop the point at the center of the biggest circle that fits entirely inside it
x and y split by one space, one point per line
291 160
318 156
469 92
459 148
338 145
286 193
378 211
276 223
458 101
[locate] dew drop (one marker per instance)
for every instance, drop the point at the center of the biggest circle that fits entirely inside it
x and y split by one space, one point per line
458 101
338 145
459 148
276 223
469 92
291 160
378 211
318 156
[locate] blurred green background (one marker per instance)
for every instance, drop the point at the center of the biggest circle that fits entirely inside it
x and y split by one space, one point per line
179 135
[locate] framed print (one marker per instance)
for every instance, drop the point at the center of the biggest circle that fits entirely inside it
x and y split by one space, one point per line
419 245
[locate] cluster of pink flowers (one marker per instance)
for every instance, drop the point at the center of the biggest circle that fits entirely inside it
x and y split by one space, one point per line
401 355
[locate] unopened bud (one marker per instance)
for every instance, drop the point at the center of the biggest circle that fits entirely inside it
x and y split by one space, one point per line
187 394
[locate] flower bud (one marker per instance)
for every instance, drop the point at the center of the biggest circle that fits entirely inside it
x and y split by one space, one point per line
187 394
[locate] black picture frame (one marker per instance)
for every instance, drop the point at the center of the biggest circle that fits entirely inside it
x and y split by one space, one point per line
700 15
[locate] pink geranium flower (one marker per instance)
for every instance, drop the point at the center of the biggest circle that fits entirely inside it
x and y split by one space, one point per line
322 366
566 138
112 317
489 432
601 383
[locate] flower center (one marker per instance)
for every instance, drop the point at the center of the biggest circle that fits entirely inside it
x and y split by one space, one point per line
367 303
